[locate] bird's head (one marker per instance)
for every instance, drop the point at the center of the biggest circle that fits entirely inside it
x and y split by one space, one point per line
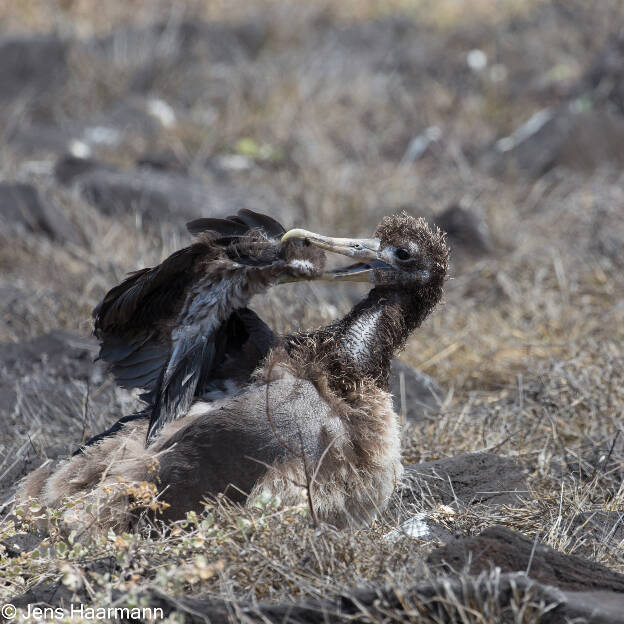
404 253
302 260
255 240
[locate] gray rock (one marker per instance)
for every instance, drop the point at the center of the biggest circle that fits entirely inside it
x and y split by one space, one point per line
513 552
128 122
162 195
467 232
63 353
31 66
23 210
21 542
51 386
155 196
32 137
576 139
472 478
26 310
423 396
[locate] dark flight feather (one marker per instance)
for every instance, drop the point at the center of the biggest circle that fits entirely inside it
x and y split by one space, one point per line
178 382
224 227
237 225
241 343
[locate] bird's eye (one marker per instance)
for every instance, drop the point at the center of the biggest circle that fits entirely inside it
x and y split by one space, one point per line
402 254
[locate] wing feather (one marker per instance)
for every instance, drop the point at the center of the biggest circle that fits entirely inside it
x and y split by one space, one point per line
133 321
240 345
224 227
137 320
177 383
237 225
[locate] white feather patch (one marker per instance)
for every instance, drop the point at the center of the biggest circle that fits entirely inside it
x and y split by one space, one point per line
301 265
199 408
360 336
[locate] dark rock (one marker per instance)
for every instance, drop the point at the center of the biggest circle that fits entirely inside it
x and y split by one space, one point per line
21 542
102 566
497 597
472 478
22 209
492 593
466 231
49 594
63 353
127 123
162 161
512 552
604 79
31 66
52 397
562 137
423 396
155 196
162 195
68 168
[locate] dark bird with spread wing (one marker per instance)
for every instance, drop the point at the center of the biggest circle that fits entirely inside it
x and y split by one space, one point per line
183 329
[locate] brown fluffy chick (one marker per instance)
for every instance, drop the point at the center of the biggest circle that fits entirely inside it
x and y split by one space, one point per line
316 426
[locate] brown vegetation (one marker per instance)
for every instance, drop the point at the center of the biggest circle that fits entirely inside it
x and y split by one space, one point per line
316 115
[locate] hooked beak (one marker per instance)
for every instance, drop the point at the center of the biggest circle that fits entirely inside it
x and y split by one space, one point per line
365 249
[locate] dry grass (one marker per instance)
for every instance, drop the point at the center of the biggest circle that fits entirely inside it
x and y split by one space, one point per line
529 341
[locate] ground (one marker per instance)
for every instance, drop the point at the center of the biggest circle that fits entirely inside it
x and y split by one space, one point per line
123 120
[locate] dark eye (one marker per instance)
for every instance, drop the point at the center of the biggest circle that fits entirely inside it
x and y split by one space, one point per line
402 254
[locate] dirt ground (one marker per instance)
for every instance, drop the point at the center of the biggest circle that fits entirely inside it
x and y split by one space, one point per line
501 121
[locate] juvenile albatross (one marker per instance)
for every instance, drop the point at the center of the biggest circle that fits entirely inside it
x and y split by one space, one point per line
316 414
182 329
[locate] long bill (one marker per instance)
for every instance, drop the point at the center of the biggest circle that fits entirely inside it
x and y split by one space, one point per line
364 249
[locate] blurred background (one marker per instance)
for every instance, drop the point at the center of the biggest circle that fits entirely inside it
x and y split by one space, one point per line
500 120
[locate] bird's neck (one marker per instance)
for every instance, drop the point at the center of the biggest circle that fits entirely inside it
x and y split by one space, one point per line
362 344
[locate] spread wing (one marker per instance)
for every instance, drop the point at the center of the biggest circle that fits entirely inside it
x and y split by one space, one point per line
236 348
141 326
133 321
243 341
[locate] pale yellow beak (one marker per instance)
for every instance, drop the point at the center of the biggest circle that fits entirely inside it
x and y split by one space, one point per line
364 249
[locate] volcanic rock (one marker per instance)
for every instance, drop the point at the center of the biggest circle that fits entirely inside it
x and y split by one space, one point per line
472 478
23 210
423 396
513 552
31 66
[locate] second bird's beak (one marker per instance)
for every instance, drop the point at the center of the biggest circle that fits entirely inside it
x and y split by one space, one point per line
364 249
